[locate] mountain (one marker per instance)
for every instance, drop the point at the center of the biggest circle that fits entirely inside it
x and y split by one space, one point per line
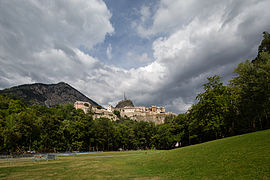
47 94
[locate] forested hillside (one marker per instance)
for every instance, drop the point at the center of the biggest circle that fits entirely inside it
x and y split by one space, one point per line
221 111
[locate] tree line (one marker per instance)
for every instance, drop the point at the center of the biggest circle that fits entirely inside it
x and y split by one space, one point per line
220 111
63 128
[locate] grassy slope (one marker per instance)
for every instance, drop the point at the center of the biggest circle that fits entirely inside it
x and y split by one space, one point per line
240 157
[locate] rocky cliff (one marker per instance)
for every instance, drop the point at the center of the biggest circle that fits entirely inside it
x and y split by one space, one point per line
124 103
48 94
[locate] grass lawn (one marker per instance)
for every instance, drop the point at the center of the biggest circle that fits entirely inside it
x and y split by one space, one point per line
240 157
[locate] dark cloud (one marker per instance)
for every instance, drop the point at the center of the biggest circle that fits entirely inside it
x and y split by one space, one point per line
208 38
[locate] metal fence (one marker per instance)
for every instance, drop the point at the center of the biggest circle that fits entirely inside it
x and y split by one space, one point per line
22 158
4 157
37 156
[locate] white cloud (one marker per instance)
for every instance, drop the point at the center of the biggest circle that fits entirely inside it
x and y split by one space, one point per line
174 15
109 51
145 13
179 105
31 30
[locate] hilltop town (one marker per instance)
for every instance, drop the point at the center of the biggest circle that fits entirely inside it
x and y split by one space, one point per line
62 93
125 108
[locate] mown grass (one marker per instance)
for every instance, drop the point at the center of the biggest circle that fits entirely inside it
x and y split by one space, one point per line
240 157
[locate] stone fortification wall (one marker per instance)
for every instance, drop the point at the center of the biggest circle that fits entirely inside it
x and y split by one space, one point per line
111 116
157 118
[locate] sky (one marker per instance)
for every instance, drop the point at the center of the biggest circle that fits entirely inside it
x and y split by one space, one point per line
157 52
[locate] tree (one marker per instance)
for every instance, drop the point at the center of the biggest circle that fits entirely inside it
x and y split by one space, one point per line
265 44
103 134
180 129
117 113
253 79
144 132
211 109
164 137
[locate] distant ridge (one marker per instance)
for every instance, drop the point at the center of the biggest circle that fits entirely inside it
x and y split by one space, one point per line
47 94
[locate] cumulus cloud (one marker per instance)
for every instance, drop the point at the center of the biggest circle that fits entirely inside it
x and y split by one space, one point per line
42 41
174 15
199 40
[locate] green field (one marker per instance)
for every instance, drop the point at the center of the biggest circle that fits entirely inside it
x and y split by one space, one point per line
240 157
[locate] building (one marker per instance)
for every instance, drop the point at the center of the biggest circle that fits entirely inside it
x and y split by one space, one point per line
96 112
110 108
85 106
126 108
154 114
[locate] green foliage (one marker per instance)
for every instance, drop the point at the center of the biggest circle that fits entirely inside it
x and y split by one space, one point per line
211 111
265 44
117 113
253 79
